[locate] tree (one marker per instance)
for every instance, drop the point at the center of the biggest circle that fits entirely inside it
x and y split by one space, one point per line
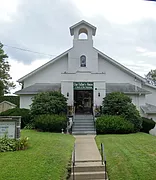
119 104
5 83
49 103
151 77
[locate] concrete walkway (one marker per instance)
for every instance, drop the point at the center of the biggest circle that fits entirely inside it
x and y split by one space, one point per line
86 149
88 165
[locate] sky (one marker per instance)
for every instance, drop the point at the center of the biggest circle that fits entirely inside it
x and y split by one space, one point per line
126 31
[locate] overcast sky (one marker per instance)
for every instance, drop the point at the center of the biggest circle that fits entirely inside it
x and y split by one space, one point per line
126 31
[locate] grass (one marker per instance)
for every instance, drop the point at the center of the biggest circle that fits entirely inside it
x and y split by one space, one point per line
131 156
46 159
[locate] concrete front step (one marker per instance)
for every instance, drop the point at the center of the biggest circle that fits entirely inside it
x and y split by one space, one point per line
88 175
84 125
83 121
89 168
83 128
84 116
84 132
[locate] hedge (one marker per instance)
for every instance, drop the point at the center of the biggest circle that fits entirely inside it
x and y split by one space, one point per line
50 123
147 124
108 124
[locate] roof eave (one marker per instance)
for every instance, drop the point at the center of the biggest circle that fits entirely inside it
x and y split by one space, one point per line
132 92
150 85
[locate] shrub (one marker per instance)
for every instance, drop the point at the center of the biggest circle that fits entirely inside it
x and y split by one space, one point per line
50 123
147 124
117 103
108 124
24 113
22 143
7 144
49 103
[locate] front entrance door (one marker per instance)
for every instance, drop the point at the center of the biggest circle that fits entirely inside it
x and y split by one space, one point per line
83 101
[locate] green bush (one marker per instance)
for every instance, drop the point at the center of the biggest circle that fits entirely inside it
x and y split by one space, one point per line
7 144
119 104
50 123
24 113
147 124
49 103
108 124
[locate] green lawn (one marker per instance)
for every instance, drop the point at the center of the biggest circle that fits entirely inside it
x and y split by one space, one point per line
46 159
131 157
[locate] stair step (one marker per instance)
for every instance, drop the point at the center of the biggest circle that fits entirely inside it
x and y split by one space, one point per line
89 168
88 175
83 120
83 125
85 117
84 132
83 129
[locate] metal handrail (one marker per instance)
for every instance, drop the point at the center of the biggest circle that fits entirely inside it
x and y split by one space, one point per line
73 162
103 159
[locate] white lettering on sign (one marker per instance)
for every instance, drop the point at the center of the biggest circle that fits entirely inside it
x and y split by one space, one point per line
7 127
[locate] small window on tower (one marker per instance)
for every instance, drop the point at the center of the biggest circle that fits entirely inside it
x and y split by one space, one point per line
83 61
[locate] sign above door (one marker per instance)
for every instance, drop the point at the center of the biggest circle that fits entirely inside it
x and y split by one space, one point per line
83 85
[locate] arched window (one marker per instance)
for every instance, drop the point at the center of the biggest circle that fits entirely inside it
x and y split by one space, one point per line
83 33
83 61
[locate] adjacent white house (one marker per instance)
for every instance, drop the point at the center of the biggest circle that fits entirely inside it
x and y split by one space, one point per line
85 75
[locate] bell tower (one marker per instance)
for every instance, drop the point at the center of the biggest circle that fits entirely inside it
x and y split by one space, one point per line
83 32
82 57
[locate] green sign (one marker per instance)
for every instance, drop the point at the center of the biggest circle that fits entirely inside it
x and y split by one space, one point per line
83 85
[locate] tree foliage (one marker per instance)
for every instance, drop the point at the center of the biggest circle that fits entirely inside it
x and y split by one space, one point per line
5 83
119 104
151 77
49 103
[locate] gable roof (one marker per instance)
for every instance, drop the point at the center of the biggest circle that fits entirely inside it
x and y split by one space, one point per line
112 61
150 85
149 109
7 102
80 23
43 66
126 88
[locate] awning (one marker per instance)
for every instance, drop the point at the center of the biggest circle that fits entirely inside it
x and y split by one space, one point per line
149 109
40 87
126 88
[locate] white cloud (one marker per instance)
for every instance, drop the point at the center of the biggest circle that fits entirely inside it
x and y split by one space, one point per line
7 8
141 49
118 11
145 52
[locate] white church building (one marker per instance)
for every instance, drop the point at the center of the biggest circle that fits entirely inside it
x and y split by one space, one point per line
85 75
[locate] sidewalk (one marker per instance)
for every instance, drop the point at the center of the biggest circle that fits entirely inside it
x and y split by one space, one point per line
86 149
88 165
